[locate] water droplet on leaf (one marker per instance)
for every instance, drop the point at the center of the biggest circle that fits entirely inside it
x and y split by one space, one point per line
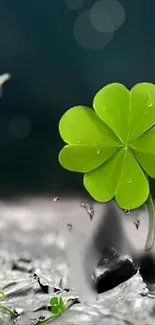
78 142
128 180
89 209
149 104
127 211
98 151
149 100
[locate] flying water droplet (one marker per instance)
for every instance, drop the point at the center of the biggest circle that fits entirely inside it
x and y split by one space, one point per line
128 180
56 198
69 226
137 223
127 211
98 151
89 209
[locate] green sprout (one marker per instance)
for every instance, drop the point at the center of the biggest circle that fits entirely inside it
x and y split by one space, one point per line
114 146
11 311
57 308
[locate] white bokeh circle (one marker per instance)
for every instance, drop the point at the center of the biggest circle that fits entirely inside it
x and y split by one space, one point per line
87 36
107 15
74 4
20 127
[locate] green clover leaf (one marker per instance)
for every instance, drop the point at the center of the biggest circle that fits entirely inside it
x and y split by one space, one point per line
114 145
54 301
62 305
55 310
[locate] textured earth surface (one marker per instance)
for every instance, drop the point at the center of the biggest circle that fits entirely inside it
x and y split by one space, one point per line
58 239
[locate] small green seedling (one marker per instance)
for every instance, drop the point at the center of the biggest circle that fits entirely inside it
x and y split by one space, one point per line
114 146
57 305
57 308
11 311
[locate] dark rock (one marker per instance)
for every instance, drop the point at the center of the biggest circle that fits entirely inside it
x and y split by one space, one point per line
147 271
112 270
147 268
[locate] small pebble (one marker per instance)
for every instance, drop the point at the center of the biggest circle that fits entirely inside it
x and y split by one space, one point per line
112 270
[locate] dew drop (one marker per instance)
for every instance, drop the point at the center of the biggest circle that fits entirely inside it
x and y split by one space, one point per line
149 104
98 151
149 100
78 142
127 211
128 180
89 209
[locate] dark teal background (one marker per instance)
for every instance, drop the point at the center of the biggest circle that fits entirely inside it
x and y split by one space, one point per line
51 72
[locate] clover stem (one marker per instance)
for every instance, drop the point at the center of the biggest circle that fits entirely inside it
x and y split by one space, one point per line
1 319
2 295
151 232
11 311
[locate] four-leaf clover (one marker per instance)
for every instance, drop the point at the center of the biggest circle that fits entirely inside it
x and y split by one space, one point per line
114 144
